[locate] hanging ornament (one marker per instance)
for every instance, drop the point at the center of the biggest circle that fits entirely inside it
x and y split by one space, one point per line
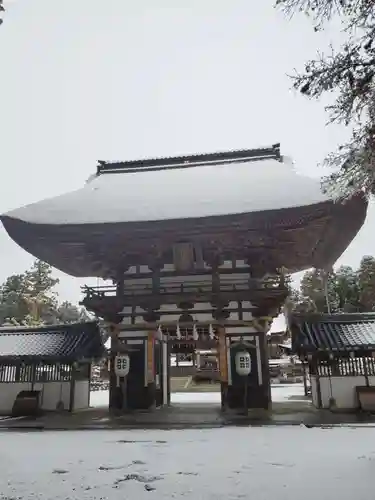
195 332
211 332
160 331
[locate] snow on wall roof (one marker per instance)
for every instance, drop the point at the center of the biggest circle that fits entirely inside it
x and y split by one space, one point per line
199 191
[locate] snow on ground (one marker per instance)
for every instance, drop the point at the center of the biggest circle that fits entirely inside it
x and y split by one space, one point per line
195 397
280 393
261 463
286 392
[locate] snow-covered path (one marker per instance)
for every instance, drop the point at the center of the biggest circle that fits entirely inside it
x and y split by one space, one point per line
285 463
280 393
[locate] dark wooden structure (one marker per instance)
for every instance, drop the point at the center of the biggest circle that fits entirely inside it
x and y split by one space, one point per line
188 242
275 340
33 358
339 350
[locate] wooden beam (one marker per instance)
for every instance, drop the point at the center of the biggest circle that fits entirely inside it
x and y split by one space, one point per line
148 301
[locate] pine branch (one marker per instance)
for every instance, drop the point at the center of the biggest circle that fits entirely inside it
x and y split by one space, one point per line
2 10
349 73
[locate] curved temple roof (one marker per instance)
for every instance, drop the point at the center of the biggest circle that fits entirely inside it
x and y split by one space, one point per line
183 188
211 190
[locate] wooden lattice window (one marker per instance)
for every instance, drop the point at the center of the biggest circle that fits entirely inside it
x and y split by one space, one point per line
35 373
204 332
347 367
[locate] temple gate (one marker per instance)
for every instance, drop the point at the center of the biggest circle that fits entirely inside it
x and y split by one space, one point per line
221 306
194 242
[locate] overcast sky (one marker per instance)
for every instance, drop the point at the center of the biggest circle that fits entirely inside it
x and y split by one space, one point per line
83 80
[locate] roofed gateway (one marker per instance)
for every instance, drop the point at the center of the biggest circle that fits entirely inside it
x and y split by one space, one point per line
338 350
195 246
49 366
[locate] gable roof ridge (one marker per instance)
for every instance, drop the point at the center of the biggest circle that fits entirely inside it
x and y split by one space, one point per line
192 160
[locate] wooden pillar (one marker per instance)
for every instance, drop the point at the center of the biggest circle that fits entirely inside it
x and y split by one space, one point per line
115 393
18 372
73 374
220 314
262 325
33 376
152 316
120 284
164 371
169 371
150 358
215 263
223 365
149 393
304 366
365 370
314 364
115 399
264 356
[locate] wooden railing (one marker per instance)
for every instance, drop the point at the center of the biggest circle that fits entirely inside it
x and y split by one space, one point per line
134 289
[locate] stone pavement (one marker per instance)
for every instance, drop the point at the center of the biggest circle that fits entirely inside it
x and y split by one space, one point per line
184 417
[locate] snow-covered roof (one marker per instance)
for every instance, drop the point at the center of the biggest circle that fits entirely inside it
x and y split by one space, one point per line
278 324
201 191
247 192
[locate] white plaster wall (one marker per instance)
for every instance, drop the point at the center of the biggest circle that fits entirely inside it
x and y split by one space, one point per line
314 393
81 395
202 279
123 334
8 394
171 267
343 391
238 331
169 318
53 393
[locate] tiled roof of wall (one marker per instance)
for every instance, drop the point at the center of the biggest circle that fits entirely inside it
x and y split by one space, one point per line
66 343
337 332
